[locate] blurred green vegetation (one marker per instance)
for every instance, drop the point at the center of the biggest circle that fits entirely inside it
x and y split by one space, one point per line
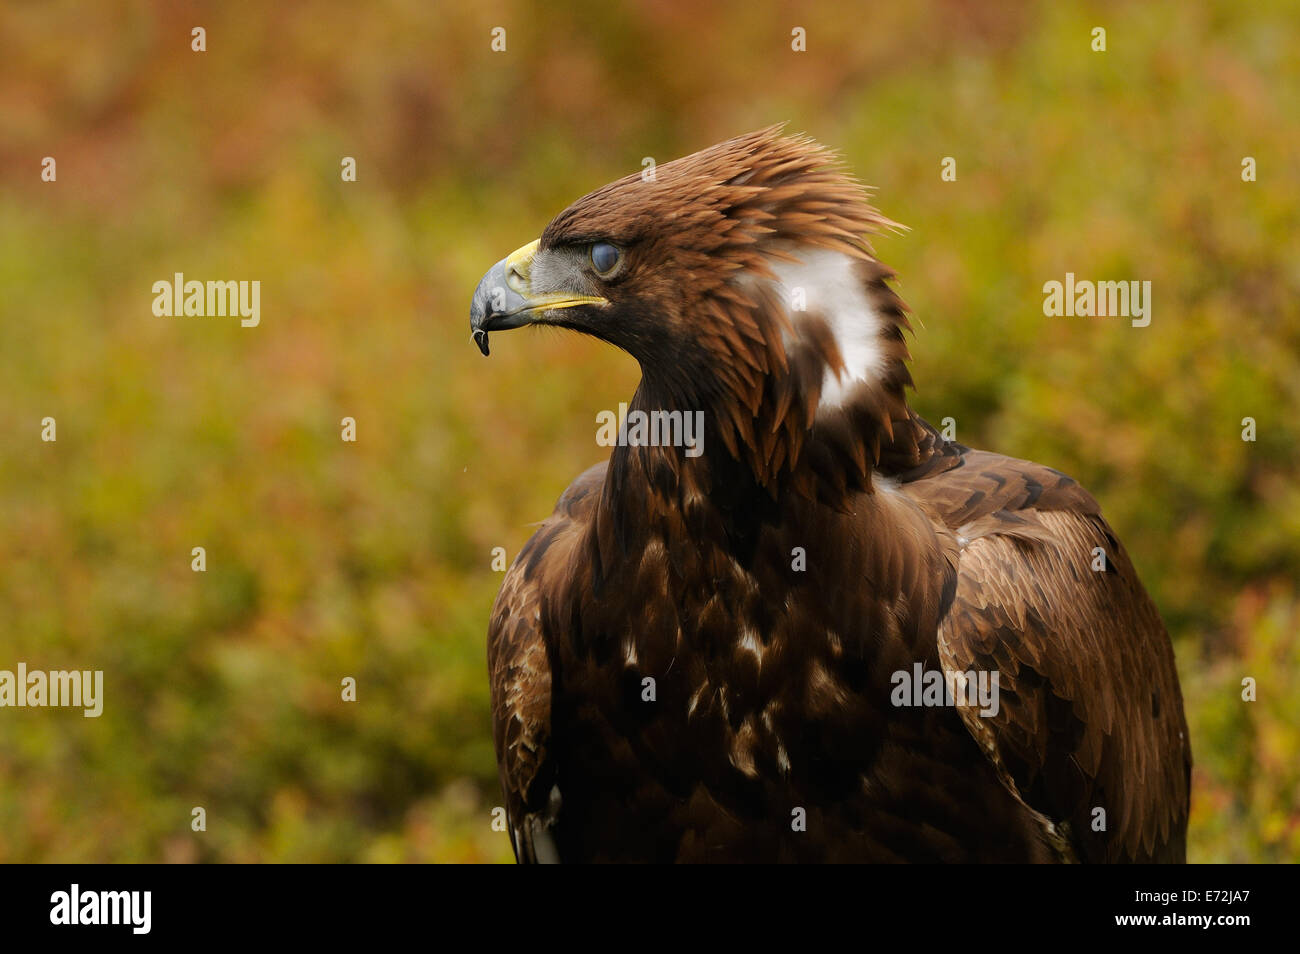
372 559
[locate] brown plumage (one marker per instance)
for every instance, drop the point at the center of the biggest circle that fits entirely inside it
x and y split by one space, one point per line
696 658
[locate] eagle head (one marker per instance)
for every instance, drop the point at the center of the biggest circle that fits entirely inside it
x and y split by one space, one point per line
742 280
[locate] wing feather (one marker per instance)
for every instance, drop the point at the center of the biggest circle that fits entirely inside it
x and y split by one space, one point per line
1090 713
519 669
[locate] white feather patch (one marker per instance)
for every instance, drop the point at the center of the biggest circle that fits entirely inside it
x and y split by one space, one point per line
825 284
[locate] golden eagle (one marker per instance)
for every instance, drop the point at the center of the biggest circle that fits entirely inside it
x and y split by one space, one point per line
769 648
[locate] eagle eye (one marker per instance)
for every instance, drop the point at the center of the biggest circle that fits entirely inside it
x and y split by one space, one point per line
604 257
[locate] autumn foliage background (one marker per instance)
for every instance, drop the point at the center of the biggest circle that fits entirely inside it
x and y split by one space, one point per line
372 560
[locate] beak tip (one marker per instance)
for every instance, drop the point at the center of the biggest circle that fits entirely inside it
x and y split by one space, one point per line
481 339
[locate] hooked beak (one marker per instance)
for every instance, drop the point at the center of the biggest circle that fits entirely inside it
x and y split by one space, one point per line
505 298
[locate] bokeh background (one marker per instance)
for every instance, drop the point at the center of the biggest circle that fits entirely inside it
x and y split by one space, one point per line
373 559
